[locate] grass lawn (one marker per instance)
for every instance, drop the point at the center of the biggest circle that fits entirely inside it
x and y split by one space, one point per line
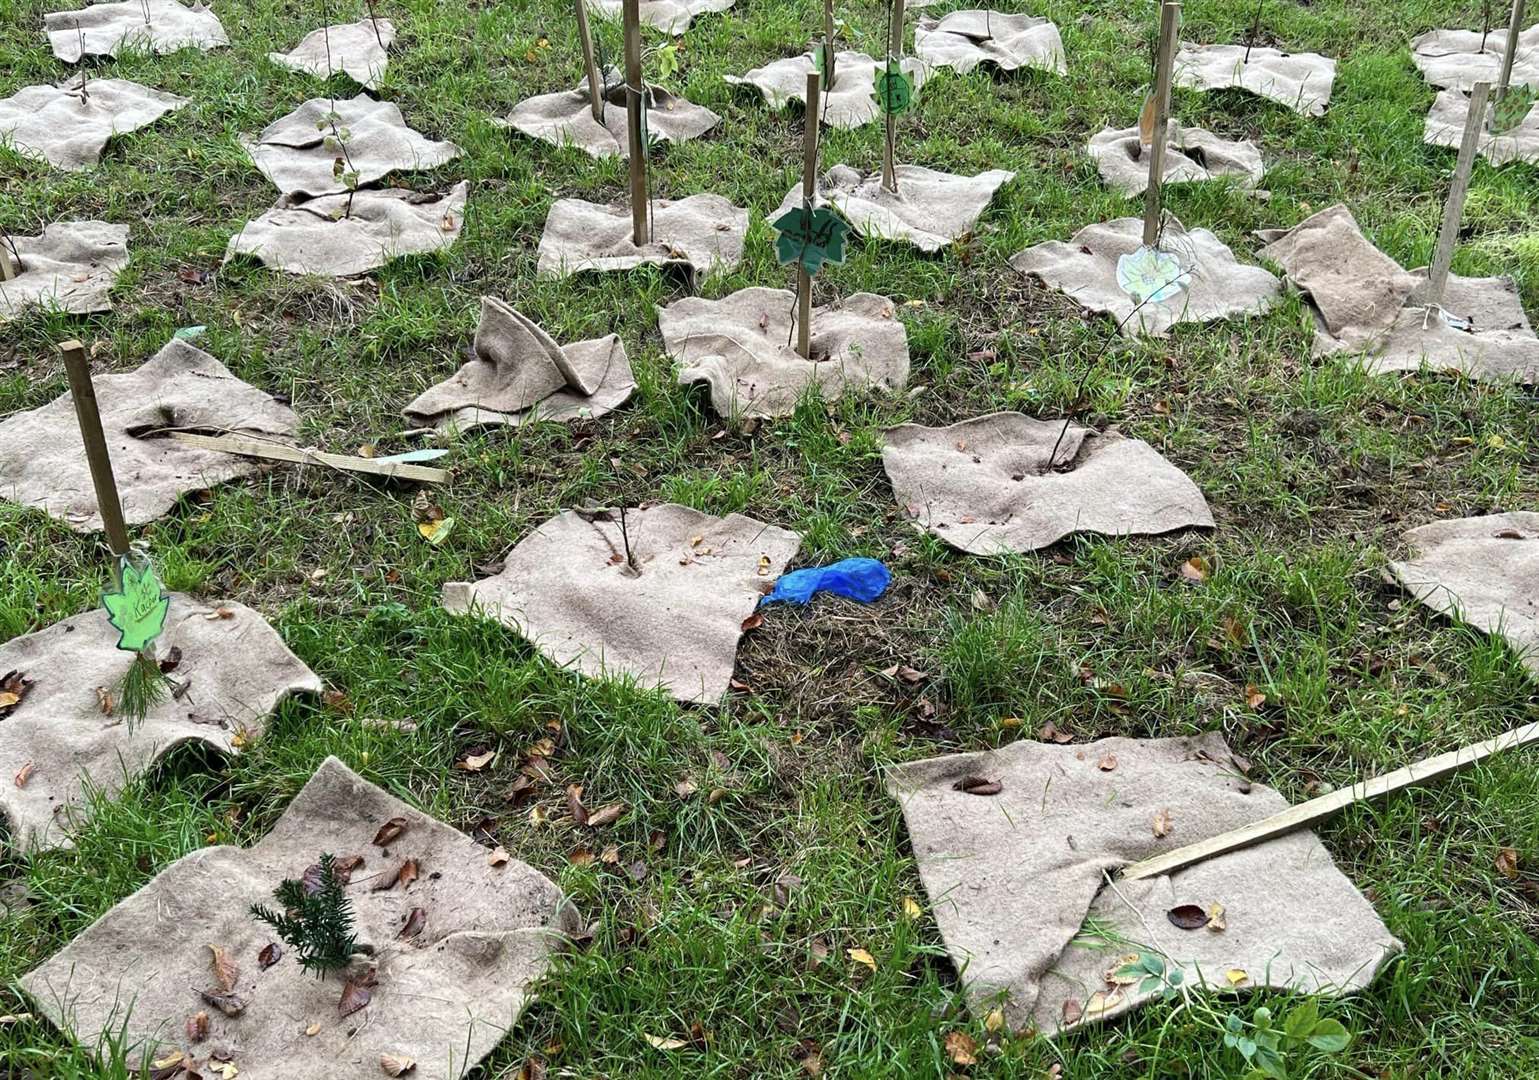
1313 470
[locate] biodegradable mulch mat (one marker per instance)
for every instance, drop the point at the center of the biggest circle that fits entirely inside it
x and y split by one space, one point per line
158 26
930 209
519 374
1014 846
70 267
962 40
849 103
669 617
1483 571
739 347
293 152
1192 156
1217 286
984 485
43 462
700 233
68 126
338 236
458 945
359 50
233 670
1301 81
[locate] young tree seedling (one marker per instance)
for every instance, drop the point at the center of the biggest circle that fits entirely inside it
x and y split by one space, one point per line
85 95
136 605
317 918
1170 29
1453 210
1255 29
595 85
825 60
374 20
1485 23
337 138
894 91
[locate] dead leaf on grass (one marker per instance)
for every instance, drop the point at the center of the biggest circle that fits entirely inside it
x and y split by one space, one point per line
226 970
389 831
962 1048
396 1064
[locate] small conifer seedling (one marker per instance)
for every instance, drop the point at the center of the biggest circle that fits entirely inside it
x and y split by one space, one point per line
317 920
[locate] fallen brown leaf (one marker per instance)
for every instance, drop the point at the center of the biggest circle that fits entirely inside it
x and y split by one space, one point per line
961 1048
498 856
396 1064
753 622
1507 863
389 831
415 921
24 774
574 805
356 993
271 953
1162 824
1072 1011
861 956
476 762
1187 917
404 875
659 1043
229 1004
607 815
1216 921
978 785
1107 763
1196 569
226 970
1254 698
1051 733
197 1026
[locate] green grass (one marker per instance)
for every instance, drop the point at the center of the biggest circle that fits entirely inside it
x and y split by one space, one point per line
1313 470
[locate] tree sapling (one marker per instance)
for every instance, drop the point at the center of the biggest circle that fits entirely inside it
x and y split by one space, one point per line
317 918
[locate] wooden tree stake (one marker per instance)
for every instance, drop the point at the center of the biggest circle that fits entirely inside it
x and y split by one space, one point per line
1514 28
1453 210
828 41
1170 29
83 393
1307 813
640 234
595 86
894 52
809 192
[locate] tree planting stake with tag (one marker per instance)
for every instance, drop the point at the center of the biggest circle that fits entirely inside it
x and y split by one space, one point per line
635 122
1170 29
1453 210
894 91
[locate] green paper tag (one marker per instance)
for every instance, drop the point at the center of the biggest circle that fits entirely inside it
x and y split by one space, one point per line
1512 109
138 609
810 237
820 63
894 90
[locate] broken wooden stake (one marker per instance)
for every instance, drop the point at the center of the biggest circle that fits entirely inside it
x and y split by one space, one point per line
1170 29
83 394
1453 210
267 451
809 192
635 132
1307 813
595 85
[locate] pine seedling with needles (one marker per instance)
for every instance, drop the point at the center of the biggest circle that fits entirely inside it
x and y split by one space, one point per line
317 918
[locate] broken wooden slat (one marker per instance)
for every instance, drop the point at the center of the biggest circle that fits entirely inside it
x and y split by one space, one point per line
267 451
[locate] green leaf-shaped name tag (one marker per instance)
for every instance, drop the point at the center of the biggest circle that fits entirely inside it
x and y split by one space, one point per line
811 237
138 609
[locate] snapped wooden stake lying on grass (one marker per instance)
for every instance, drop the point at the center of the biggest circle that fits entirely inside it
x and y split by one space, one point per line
1453 210
595 84
1307 813
255 448
136 605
